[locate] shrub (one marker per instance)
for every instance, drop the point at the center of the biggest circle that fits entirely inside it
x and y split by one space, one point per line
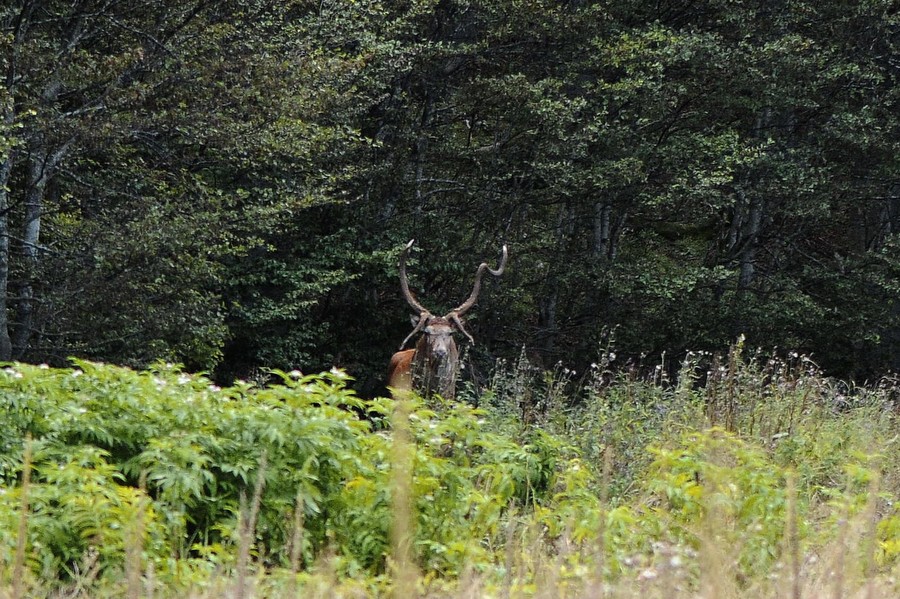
613 480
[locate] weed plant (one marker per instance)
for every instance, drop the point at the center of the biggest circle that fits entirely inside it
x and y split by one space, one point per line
741 476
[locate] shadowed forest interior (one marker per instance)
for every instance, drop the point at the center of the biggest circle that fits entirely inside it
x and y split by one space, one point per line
229 184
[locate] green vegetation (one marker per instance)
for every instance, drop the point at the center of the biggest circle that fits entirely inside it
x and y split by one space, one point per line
768 477
228 184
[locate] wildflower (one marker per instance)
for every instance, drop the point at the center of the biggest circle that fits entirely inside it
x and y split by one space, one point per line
647 574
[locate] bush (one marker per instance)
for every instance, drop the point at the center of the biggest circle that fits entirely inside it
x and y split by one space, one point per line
161 477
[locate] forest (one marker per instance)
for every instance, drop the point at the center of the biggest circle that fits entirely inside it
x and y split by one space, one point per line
228 184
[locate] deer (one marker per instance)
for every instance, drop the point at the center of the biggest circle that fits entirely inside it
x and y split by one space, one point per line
431 368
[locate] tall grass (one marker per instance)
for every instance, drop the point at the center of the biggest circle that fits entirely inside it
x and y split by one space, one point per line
739 477
18 568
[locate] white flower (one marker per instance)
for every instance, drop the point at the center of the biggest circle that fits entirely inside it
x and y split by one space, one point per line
648 574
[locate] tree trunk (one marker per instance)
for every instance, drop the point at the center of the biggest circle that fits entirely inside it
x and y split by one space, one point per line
602 241
547 317
42 165
749 241
548 324
5 341
31 234
752 222
422 150
20 26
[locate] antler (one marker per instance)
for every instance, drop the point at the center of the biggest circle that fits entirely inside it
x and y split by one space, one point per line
466 305
410 298
454 317
404 284
423 319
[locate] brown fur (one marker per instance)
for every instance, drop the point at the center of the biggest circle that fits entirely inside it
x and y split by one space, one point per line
432 367
436 361
400 370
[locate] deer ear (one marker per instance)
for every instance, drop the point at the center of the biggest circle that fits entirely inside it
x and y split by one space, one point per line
414 319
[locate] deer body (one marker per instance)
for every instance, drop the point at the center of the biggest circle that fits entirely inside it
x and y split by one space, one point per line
400 370
432 367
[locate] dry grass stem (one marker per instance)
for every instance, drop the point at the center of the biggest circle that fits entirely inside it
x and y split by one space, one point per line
18 569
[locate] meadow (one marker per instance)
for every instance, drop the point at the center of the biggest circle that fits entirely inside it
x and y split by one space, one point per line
741 475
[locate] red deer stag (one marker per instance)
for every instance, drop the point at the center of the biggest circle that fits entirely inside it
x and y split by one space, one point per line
432 367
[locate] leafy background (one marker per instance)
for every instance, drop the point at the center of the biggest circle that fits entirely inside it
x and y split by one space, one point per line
227 184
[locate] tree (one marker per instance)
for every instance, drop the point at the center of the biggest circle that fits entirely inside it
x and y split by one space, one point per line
159 141
229 184
71 70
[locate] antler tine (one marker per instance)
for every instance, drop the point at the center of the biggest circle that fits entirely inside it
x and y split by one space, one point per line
404 283
423 318
454 316
466 305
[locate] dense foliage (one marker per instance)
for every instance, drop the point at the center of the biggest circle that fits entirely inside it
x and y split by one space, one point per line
227 184
158 482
